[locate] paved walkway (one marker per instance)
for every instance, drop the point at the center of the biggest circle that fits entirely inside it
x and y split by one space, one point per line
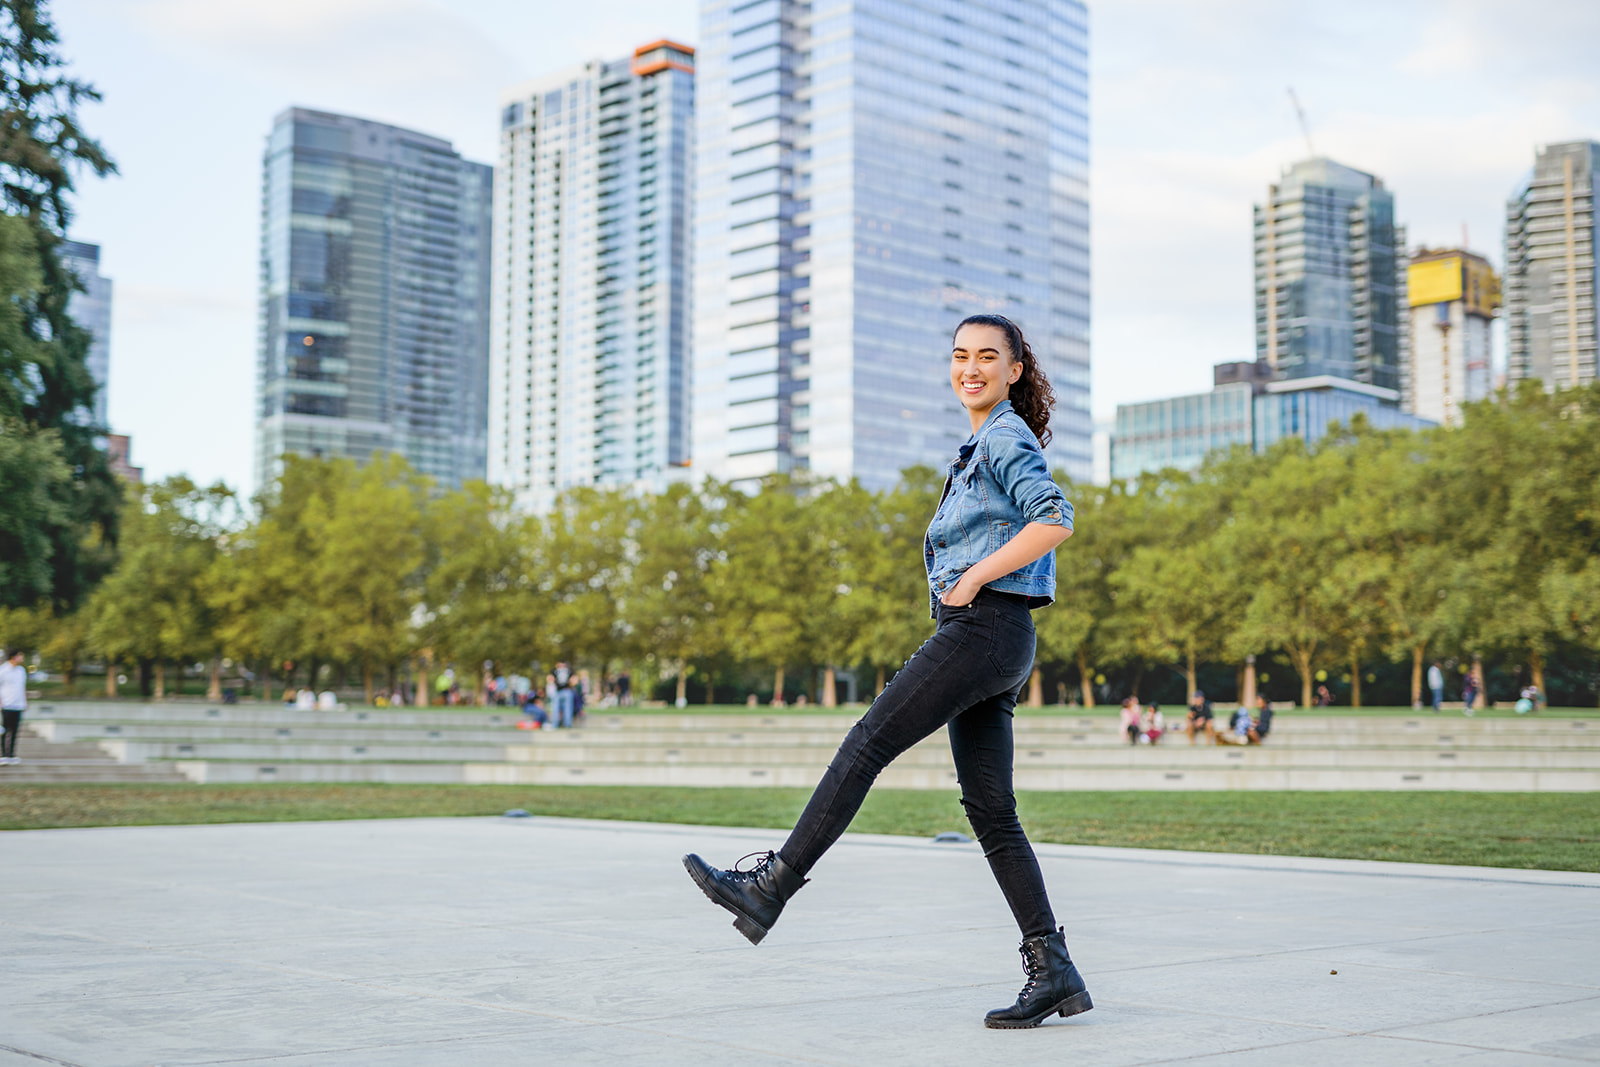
546 941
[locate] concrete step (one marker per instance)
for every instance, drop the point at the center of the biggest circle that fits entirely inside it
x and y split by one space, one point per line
184 732
897 777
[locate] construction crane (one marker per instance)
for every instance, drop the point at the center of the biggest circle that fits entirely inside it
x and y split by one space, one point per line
1305 128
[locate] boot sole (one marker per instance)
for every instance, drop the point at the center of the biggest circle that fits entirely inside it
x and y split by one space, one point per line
747 926
1076 1004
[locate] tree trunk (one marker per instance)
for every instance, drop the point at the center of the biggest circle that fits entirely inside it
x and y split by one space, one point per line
1417 652
1084 681
161 679
214 687
830 693
711 689
111 679
1536 668
366 681
420 697
1036 689
1482 700
777 689
1302 667
1355 679
1188 679
1247 688
1138 676
264 694
683 687
313 669
880 683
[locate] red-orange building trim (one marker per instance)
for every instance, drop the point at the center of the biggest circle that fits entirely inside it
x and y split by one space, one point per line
658 65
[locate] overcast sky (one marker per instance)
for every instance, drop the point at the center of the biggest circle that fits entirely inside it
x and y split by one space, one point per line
1191 119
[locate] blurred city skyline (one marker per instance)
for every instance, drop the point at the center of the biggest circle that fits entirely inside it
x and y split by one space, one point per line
1190 120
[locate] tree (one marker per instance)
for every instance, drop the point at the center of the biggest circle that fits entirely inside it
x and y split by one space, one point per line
887 606
151 610
45 384
1073 629
673 539
774 575
479 596
1280 549
366 545
583 565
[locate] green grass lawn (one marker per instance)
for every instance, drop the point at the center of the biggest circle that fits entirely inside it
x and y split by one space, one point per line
1551 831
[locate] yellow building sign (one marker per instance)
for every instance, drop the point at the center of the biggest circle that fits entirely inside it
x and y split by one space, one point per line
1434 281
1446 278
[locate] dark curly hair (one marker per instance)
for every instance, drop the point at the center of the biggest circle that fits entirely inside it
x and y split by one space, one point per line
1031 395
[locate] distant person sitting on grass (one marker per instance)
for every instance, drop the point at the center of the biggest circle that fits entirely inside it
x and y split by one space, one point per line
533 711
1200 718
1262 726
1130 719
1529 700
1238 731
1155 724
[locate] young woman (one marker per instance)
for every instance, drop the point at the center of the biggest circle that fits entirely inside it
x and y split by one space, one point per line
990 557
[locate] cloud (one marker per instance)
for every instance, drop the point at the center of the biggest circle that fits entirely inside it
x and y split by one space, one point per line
413 63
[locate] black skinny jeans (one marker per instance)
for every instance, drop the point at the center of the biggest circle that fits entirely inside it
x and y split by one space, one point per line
967 677
10 723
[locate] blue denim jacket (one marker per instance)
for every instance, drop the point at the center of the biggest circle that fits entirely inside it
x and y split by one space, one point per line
997 484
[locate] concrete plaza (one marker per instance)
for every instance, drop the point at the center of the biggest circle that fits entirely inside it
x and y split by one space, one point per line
547 941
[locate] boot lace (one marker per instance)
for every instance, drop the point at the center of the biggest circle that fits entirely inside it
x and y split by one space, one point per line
764 861
1034 969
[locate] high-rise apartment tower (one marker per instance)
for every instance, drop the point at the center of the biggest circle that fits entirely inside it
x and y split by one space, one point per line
1329 276
1454 296
374 297
91 309
1551 268
590 352
868 173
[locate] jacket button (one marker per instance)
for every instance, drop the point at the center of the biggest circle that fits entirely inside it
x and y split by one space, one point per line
942 544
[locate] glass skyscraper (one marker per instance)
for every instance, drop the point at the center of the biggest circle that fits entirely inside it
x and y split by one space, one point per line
1329 276
868 173
91 309
1552 267
589 364
374 297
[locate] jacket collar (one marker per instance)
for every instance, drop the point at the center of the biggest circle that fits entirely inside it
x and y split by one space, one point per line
988 424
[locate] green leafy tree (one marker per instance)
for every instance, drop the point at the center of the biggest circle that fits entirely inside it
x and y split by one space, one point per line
1281 550
583 567
151 610
887 604
774 575
674 622
1073 630
45 384
366 560
480 598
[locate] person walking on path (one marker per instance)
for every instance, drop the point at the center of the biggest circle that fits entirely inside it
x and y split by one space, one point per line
1436 683
13 702
990 558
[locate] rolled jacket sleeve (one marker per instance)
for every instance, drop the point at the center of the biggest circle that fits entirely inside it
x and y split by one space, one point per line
1019 469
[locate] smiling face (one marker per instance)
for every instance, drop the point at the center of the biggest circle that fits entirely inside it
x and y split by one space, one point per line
981 369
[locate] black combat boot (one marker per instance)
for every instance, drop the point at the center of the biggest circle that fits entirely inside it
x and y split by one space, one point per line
1053 985
756 897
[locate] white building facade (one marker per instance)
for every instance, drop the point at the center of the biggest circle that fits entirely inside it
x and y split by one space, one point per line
590 306
1454 296
869 172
